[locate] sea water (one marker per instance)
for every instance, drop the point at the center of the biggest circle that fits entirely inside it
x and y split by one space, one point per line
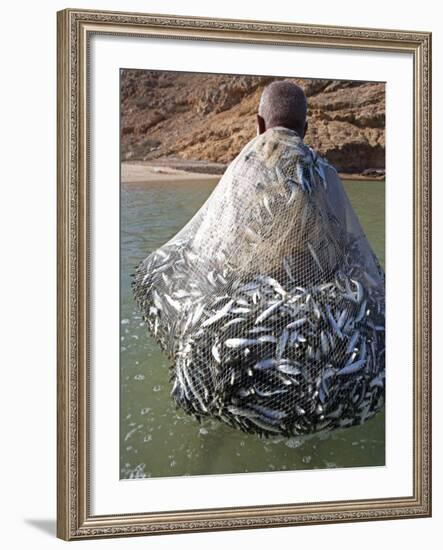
156 439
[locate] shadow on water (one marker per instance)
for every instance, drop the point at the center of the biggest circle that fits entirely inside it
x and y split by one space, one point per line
156 440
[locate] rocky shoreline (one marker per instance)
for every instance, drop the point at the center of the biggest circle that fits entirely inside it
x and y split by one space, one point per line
182 170
172 117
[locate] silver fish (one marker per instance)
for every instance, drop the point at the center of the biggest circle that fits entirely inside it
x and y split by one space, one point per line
352 367
233 322
268 412
265 314
282 344
267 338
172 303
324 343
297 323
267 205
219 315
353 342
293 191
216 353
265 363
239 342
314 255
289 369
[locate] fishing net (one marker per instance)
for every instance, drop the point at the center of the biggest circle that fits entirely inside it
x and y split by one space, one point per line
270 301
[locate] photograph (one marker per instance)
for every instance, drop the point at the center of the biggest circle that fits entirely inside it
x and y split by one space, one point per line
252 273
226 236
243 303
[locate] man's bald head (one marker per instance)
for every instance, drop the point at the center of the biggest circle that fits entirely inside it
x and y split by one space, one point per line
283 103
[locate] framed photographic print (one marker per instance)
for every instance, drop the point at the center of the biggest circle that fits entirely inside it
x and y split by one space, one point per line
243 274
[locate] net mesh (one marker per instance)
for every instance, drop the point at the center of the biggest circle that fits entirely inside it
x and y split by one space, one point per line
270 301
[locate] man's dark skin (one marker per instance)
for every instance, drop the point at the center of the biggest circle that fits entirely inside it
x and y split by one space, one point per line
285 105
261 127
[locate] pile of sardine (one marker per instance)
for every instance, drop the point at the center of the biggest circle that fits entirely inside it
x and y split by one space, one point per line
289 349
265 356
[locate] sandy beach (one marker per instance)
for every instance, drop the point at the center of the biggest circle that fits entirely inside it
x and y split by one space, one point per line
148 172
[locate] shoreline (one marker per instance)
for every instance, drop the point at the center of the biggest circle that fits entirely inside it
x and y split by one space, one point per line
360 177
178 170
137 173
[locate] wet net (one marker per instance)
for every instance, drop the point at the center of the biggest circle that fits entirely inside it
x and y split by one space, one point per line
270 302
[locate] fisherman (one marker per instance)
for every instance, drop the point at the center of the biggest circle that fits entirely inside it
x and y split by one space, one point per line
270 300
283 103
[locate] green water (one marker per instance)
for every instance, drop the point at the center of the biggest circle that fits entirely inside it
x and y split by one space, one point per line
156 440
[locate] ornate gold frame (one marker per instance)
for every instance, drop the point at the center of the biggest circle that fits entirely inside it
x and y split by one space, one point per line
74 520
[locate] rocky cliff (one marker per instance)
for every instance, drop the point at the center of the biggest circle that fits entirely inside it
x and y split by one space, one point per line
167 115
